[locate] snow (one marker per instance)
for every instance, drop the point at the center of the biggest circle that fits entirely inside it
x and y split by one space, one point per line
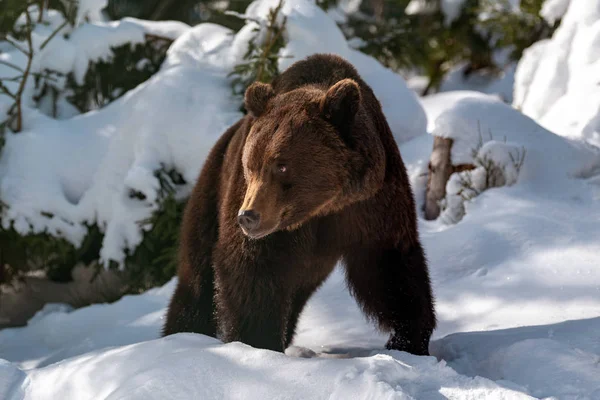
535 357
516 276
166 29
451 10
236 371
507 277
500 84
310 30
553 10
556 80
494 138
82 170
90 11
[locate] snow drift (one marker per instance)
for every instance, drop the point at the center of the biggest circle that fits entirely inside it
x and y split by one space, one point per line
522 255
556 82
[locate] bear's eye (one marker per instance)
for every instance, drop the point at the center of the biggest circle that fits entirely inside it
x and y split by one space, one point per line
281 169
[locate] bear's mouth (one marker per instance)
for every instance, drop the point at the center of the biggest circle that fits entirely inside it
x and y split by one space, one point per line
257 235
259 232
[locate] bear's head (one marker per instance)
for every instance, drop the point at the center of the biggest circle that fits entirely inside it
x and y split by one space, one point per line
299 159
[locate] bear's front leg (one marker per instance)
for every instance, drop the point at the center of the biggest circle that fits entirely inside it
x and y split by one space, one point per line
392 285
253 310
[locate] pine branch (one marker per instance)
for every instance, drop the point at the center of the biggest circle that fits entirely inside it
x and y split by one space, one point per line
260 60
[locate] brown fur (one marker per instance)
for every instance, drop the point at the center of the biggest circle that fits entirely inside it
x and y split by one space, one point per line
316 162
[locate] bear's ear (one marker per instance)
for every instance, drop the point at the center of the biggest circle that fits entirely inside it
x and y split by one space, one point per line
257 96
340 105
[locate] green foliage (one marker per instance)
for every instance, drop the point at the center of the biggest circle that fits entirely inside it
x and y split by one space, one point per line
154 261
261 59
190 11
426 44
10 10
516 30
107 80
54 255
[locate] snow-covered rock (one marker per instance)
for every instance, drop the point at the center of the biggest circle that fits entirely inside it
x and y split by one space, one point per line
557 79
505 147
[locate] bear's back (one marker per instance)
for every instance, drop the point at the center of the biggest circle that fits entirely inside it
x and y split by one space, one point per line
323 70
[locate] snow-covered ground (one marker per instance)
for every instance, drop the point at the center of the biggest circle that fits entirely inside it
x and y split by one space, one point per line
516 278
523 260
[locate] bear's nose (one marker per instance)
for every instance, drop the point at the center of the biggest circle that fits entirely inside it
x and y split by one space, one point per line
248 219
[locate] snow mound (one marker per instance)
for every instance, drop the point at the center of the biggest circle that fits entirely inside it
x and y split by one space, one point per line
559 360
474 120
504 147
11 381
57 175
556 81
191 366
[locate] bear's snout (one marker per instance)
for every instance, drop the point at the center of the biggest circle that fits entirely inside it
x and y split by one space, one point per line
248 220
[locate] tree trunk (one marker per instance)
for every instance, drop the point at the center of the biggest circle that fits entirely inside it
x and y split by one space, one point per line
21 300
440 169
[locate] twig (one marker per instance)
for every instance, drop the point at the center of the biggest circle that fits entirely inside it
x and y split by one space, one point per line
7 92
13 79
43 4
49 38
150 36
11 65
19 94
15 44
44 75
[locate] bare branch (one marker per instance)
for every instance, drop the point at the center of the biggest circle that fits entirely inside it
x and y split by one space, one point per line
13 79
11 65
15 44
54 33
42 4
7 92
19 94
44 75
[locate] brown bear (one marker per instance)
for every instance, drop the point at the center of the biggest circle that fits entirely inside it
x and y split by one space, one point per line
310 176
